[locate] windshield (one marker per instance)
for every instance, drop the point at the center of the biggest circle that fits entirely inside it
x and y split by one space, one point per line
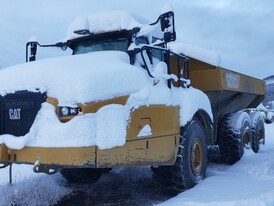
118 44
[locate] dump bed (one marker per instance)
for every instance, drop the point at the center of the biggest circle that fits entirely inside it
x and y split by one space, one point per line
228 91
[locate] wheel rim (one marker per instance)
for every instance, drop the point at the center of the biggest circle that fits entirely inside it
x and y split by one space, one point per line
196 157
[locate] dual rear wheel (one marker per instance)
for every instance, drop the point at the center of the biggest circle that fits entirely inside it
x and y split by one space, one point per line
238 131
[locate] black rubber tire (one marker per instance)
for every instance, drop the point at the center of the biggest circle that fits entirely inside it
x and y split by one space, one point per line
82 175
258 130
231 139
182 174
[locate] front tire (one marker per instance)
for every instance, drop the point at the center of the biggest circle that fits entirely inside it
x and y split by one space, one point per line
191 162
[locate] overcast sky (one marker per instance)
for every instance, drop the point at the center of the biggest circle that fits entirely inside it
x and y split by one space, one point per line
242 32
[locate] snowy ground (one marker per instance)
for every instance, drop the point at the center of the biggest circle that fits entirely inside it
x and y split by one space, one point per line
248 182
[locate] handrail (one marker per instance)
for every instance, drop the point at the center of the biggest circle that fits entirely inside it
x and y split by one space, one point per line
185 66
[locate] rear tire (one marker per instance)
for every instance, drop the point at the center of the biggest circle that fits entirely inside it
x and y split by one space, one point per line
258 130
191 162
82 175
234 133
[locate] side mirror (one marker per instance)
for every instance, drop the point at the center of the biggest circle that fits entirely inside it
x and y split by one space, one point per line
32 45
33 48
168 36
33 51
166 27
165 23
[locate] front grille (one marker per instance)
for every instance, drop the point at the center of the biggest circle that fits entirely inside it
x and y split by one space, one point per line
18 111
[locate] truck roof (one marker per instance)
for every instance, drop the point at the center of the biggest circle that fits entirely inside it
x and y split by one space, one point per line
105 22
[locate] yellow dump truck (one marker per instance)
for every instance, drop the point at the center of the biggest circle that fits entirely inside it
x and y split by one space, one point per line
126 98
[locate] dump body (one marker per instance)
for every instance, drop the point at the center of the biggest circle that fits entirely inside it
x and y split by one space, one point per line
228 91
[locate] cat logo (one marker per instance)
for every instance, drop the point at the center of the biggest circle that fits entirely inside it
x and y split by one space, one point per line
15 114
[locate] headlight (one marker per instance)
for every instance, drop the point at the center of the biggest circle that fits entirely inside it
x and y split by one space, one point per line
68 111
64 111
73 111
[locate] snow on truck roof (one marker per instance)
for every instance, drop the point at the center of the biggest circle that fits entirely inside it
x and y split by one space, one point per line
105 21
122 20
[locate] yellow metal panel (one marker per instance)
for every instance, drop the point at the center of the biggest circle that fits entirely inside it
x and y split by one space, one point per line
155 151
87 108
206 80
4 156
164 120
160 148
234 81
220 79
197 65
118 100
59 156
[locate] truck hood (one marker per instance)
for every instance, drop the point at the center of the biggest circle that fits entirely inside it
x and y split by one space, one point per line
78 78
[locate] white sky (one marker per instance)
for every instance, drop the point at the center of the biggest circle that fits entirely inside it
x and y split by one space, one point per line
240 31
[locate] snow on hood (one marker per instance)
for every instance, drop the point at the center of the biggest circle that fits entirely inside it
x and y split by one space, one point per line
90 128
103 22
196 53
78 78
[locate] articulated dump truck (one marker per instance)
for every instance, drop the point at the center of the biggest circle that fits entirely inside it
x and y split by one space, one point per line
126 98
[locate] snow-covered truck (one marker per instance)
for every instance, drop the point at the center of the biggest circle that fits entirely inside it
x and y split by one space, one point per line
126 97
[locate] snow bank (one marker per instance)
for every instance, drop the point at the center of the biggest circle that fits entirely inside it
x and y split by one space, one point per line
29 188
196 53
78 78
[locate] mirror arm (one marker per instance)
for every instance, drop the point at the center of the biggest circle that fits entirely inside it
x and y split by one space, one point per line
33 48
